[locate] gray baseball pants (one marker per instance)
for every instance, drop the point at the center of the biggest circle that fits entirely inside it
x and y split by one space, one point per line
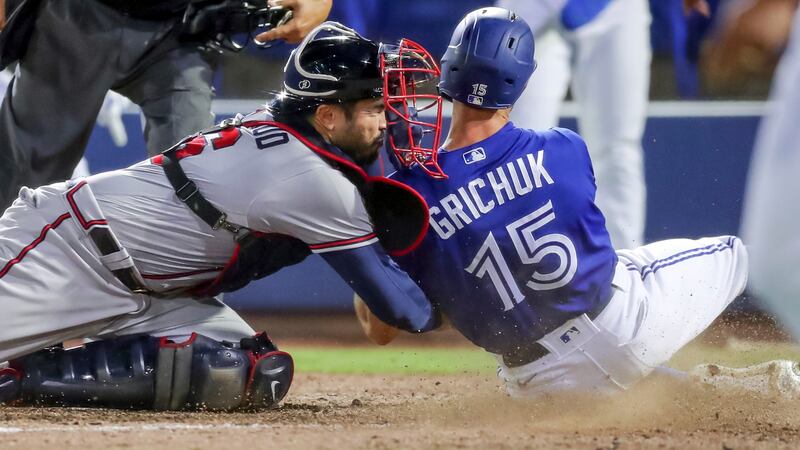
78 51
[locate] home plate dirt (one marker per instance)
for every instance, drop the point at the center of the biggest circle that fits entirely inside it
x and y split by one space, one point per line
464 411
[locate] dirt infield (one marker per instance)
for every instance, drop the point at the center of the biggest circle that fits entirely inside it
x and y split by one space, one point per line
429 412
375 412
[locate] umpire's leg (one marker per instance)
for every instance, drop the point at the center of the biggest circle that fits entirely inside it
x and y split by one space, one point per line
48 115
174 92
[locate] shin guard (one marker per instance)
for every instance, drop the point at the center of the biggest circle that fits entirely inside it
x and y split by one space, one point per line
143 372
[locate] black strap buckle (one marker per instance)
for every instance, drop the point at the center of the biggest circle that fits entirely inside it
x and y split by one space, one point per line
190 195
230 122
222 222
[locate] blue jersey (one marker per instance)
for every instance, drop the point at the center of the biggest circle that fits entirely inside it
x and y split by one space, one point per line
577 13
517 246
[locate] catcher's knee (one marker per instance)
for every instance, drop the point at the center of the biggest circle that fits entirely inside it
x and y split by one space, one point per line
148 372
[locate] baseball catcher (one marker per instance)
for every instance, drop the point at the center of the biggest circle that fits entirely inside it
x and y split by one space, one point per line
131 259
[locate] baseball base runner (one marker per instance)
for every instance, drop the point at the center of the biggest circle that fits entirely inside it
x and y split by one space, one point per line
519 258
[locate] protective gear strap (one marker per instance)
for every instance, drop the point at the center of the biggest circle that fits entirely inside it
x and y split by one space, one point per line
187 191
172 383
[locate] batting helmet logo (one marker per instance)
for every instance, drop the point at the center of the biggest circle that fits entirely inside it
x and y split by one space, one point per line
304 84
475 100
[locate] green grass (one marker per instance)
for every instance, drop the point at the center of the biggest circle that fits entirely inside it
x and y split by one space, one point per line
392 360
437 360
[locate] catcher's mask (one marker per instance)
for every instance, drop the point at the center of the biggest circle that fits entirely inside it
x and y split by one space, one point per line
410 75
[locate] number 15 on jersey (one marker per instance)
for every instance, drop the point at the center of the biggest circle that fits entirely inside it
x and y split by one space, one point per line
530 250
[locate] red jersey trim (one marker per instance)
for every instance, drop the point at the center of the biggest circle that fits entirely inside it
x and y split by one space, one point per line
343 242
166 342
50 226
84 223
326 154
204 288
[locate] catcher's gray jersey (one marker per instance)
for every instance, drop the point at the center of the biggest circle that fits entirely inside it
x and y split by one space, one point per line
263 178
56 283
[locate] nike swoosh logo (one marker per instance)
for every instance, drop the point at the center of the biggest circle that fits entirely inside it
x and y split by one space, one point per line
272 386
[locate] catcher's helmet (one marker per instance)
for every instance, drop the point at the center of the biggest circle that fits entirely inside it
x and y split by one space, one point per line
489 59
333 64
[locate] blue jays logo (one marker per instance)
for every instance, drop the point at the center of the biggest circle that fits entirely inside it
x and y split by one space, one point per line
566 336
474 155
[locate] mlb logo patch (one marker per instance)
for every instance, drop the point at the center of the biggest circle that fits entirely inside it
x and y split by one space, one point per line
474 155
565 338
475 100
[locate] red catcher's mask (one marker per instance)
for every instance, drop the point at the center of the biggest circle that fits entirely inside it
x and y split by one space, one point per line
410 75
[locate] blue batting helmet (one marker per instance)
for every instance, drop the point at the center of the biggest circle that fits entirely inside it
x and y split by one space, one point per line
489 59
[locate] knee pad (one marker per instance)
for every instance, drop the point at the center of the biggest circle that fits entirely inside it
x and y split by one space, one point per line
142 372
202 373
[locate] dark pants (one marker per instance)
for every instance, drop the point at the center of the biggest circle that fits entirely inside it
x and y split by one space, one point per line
78 51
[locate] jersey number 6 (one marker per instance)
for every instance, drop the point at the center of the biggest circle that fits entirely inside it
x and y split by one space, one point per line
530 250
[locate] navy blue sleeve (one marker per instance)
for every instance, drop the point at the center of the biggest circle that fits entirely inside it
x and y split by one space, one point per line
386 289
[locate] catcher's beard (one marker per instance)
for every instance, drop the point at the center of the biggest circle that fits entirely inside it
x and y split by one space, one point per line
362 153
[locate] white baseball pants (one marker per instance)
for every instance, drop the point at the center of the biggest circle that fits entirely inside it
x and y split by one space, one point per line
607 64
666 293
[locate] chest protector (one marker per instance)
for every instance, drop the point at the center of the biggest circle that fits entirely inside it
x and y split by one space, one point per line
399 216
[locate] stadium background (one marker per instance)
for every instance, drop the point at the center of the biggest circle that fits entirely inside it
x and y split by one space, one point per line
697 146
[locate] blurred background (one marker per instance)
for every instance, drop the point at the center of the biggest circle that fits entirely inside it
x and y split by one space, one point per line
710 79
729 55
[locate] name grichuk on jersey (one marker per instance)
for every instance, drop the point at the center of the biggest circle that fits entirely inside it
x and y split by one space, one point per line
516 246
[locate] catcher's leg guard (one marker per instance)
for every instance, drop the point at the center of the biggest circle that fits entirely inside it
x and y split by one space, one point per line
147 372
10 384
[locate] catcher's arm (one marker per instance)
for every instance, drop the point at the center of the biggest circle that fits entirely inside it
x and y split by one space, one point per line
376 330
390 293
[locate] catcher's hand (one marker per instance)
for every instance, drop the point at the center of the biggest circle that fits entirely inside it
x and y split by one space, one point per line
376 330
